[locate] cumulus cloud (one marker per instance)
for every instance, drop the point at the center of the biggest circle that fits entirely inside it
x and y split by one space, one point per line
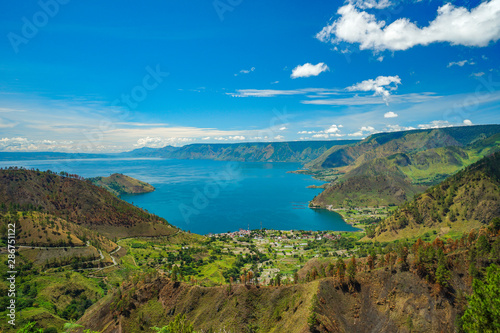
363 131
283 128
398 128
159 142
15 144
308 69
479 74
454 25
279 137
436 124
467 122
324 136
382 85
237 138
332 131
390 114
460 63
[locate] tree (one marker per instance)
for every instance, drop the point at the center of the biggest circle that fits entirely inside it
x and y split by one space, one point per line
369 262
442 276
495 225
483 246
341 269
483 312
351 269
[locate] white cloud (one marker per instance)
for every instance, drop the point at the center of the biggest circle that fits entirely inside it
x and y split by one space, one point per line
356 100
436 124
150 142
367 4
367 129
275 92
382 86
17 144
245 71
460 63
279 137
477 74
264 93
380 58
324 136
333 129
308 69
159 142
390 114
467 122
455 25
398 128
237 138
363 131
283 128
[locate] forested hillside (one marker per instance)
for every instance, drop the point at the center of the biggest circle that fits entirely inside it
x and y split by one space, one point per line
390 168
76 200
468 199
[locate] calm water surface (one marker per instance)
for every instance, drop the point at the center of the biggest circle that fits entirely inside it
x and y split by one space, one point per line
206 196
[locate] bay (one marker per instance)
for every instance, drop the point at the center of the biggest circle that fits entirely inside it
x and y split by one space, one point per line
205 196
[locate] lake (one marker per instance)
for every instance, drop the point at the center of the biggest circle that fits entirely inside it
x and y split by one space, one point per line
205 196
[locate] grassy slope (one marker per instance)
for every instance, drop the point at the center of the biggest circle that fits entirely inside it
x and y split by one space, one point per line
41 229
119 184
464 201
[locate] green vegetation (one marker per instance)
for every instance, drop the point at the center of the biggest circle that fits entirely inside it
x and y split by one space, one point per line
483 312
119 184
466 200
178 325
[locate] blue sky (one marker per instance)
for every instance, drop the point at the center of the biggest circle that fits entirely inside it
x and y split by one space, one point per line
112 76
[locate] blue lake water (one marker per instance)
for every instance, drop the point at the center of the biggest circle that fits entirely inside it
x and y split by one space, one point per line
206 196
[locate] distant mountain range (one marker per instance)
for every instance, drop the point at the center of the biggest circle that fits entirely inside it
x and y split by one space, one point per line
295 151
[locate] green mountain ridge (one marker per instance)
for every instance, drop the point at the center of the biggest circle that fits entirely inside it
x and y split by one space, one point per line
391 168
295 151
468 199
